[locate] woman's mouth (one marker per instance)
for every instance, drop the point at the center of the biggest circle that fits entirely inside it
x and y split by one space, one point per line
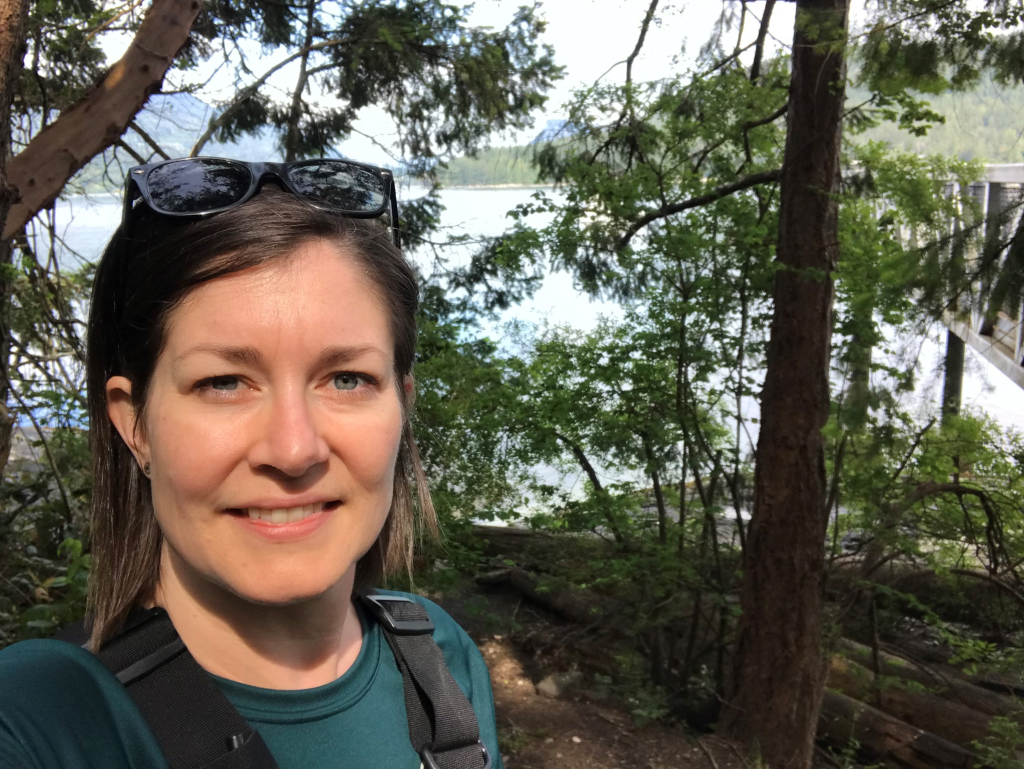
278 516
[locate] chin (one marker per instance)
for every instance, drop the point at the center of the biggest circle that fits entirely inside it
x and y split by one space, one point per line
283 591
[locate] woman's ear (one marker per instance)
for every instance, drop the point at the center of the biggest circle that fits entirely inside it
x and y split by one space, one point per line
409 390
121 411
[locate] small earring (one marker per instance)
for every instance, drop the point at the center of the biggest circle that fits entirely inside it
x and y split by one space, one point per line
145 469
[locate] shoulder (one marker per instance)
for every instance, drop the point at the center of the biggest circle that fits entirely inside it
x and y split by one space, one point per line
447 632
59 706
460 652
467 667
46 667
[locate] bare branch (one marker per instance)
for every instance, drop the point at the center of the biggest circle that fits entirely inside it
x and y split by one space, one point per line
149 140
640 41
250 90
764 177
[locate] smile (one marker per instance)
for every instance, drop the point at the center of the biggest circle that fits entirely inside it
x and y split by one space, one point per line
282 515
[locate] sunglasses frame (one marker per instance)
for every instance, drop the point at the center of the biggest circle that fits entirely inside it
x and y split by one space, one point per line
137 185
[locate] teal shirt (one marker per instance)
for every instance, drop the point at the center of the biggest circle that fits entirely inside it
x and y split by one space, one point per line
60 708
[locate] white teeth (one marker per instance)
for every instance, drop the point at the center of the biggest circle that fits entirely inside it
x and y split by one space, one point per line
281 515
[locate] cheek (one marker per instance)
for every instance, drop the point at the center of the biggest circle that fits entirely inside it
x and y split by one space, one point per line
192 457
369 451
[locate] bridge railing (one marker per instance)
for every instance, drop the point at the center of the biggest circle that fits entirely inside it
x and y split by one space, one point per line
996 333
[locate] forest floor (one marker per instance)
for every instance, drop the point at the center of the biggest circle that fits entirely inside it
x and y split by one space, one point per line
582 729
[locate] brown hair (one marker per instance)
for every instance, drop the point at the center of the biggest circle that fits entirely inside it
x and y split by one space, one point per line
147 269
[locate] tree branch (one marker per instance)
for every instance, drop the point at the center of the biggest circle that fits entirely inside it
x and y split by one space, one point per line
765 177
250 90
40 171
640 41
149 140
762 33
990 578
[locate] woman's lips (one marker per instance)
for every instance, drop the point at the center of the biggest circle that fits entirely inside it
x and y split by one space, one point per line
299 521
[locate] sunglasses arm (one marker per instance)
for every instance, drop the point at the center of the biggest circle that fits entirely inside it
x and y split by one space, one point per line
395 235
131 193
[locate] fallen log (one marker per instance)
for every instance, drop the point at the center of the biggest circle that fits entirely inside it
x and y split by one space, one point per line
938 681
914 706
938 656
574 605
845 721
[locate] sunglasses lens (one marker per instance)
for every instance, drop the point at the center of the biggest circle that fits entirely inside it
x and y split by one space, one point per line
339 184
197 185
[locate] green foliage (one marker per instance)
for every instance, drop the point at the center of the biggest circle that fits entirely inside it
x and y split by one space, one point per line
496 166
1004 748
980 124
446 85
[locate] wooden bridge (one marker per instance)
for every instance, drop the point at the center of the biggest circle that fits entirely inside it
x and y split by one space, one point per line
997 336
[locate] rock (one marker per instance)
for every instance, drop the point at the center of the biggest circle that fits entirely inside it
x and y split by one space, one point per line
577 740
557 684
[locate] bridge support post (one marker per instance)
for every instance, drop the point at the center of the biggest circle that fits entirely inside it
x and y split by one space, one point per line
953 380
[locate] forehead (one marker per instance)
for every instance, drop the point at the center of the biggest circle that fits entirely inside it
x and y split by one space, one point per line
316 297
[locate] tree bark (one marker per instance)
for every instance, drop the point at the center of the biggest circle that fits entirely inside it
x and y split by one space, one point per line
96 122
779 667
13 18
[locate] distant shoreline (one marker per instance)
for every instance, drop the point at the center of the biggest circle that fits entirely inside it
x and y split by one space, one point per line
537 186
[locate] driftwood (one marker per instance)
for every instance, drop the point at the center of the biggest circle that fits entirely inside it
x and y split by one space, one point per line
574 605
938 657
844 720
939 681
948 720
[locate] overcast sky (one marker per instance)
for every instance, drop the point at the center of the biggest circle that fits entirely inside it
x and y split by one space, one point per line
589 37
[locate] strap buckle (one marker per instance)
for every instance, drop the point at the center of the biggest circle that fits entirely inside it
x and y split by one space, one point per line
430 762
376 604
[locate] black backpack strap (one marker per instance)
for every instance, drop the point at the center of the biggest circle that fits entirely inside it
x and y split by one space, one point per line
442 725
196 726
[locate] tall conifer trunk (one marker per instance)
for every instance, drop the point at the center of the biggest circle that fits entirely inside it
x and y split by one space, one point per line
779 665
13 17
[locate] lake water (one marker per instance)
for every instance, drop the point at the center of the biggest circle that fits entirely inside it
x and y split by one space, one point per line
85 225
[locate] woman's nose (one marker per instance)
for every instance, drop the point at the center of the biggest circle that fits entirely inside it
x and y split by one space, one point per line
290 441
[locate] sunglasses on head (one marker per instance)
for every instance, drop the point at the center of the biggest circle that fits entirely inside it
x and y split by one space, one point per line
206 186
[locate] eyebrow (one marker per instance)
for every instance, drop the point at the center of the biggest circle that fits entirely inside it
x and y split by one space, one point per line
249 356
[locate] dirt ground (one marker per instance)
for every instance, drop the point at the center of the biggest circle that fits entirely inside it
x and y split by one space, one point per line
579 730
574 733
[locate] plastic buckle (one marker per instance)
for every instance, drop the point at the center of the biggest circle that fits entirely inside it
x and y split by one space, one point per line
430 762
376 604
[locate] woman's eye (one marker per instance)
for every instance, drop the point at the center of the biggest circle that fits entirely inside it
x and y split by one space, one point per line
222 383
346 381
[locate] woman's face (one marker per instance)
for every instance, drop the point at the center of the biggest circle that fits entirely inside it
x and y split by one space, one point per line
272 426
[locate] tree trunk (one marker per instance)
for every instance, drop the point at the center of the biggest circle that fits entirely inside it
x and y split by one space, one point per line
659 497
292 142
96 122
779 667
13 17
953 375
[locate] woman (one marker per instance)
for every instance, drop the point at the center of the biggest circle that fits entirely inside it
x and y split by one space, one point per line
250 349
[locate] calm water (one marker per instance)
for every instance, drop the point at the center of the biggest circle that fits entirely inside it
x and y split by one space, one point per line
85 225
